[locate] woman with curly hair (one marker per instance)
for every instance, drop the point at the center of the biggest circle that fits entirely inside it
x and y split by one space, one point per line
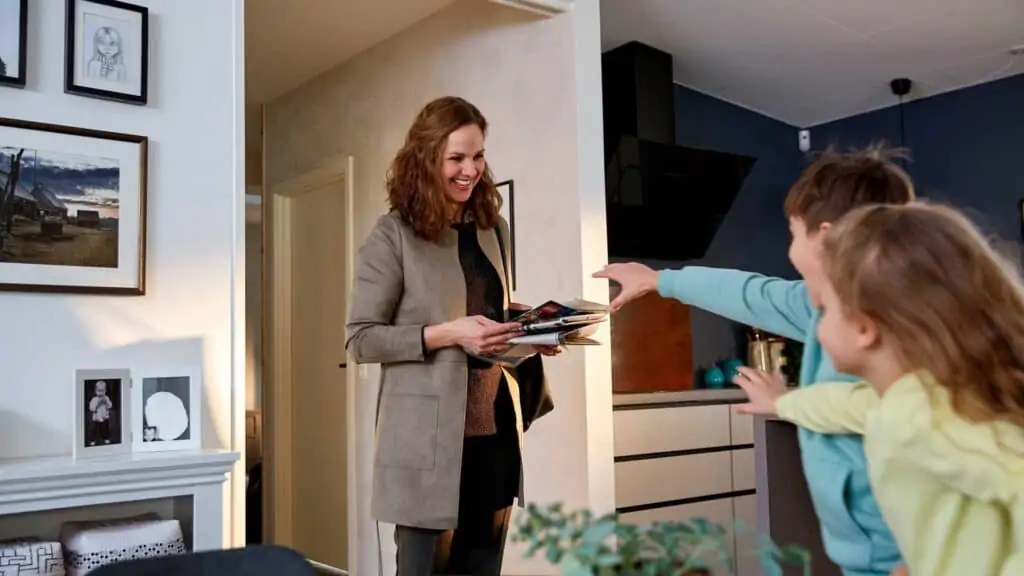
430 303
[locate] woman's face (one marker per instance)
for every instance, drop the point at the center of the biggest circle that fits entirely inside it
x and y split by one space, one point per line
462 162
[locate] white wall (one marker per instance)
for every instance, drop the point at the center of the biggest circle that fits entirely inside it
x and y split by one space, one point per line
196 238
538 82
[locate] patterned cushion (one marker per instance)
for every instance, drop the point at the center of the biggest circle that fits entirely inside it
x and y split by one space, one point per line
89 545
31 557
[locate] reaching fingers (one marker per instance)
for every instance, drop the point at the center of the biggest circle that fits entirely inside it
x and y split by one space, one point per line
621 300
770 381
507 329
753 376
750 380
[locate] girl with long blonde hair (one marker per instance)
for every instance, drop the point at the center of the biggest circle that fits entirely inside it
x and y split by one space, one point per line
915 301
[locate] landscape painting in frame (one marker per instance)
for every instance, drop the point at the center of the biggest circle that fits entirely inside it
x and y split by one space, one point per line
72 209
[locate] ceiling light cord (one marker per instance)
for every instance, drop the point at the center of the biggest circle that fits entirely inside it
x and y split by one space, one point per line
900 88
903 131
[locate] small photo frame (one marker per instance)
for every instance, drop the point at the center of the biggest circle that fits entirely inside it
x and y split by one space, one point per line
507 189
102 412
13 39
106 48
166 408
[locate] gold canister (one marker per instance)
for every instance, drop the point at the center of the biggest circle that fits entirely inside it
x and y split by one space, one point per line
765 352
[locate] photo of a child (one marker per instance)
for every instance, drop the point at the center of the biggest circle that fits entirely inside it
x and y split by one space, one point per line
102 412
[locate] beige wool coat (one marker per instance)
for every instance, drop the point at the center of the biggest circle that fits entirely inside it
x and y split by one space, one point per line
402 284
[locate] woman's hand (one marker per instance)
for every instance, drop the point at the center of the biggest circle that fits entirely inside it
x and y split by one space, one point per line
762 388
482 336
634 278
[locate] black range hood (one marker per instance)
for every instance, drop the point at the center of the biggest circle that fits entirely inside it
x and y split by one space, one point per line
664 201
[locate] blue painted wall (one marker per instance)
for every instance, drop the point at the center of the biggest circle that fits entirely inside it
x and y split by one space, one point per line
967 148
754 235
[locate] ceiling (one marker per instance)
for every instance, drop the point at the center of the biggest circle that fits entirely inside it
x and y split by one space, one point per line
287 43
286 47
810 61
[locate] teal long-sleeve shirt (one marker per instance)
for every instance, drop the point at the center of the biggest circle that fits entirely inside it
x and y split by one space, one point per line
853 531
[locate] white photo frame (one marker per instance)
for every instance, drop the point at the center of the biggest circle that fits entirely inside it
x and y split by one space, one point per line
102 412
166 408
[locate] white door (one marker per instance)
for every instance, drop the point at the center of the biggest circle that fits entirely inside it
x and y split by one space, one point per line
319 426
308 406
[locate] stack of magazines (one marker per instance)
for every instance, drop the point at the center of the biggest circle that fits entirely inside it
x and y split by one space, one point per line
570 323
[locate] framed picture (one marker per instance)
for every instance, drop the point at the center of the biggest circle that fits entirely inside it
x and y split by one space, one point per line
507 189
165 405
72 209
102 412
13 38
106 47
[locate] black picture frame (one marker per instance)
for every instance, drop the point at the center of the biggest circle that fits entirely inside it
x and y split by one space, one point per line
140 65
507 189
18 80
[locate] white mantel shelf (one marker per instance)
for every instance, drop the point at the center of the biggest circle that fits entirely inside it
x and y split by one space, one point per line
52 483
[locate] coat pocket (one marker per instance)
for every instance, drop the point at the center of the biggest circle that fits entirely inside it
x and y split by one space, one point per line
407 431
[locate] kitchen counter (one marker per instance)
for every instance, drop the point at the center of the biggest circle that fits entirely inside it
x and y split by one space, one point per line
771 478
701 397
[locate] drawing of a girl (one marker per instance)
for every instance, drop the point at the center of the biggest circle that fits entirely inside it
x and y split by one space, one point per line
107 61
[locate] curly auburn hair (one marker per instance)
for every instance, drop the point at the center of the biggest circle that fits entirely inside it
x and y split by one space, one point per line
415 185
936 288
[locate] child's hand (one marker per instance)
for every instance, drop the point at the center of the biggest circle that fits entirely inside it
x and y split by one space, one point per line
900 570
762 389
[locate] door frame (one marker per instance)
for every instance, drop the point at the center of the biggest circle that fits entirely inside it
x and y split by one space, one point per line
278 527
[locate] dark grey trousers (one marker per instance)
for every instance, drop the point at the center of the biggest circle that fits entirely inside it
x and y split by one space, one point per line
474 548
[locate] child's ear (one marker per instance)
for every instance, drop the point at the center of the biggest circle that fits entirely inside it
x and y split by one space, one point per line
823 228
867 332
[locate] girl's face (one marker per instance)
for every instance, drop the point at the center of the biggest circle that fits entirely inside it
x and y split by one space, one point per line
108 44
462 162
847 339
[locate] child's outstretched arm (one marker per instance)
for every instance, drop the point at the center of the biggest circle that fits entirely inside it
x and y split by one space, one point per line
827 408
779 306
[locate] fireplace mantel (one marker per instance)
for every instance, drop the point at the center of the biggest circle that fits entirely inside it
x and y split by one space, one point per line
193 479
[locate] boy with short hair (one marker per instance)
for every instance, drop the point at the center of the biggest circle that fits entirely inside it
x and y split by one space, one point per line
853 531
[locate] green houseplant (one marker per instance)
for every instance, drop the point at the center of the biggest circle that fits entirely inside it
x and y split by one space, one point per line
583 544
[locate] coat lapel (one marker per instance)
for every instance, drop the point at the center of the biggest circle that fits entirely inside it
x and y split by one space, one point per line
488 240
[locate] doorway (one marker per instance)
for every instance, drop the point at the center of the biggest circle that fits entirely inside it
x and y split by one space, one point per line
309 423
